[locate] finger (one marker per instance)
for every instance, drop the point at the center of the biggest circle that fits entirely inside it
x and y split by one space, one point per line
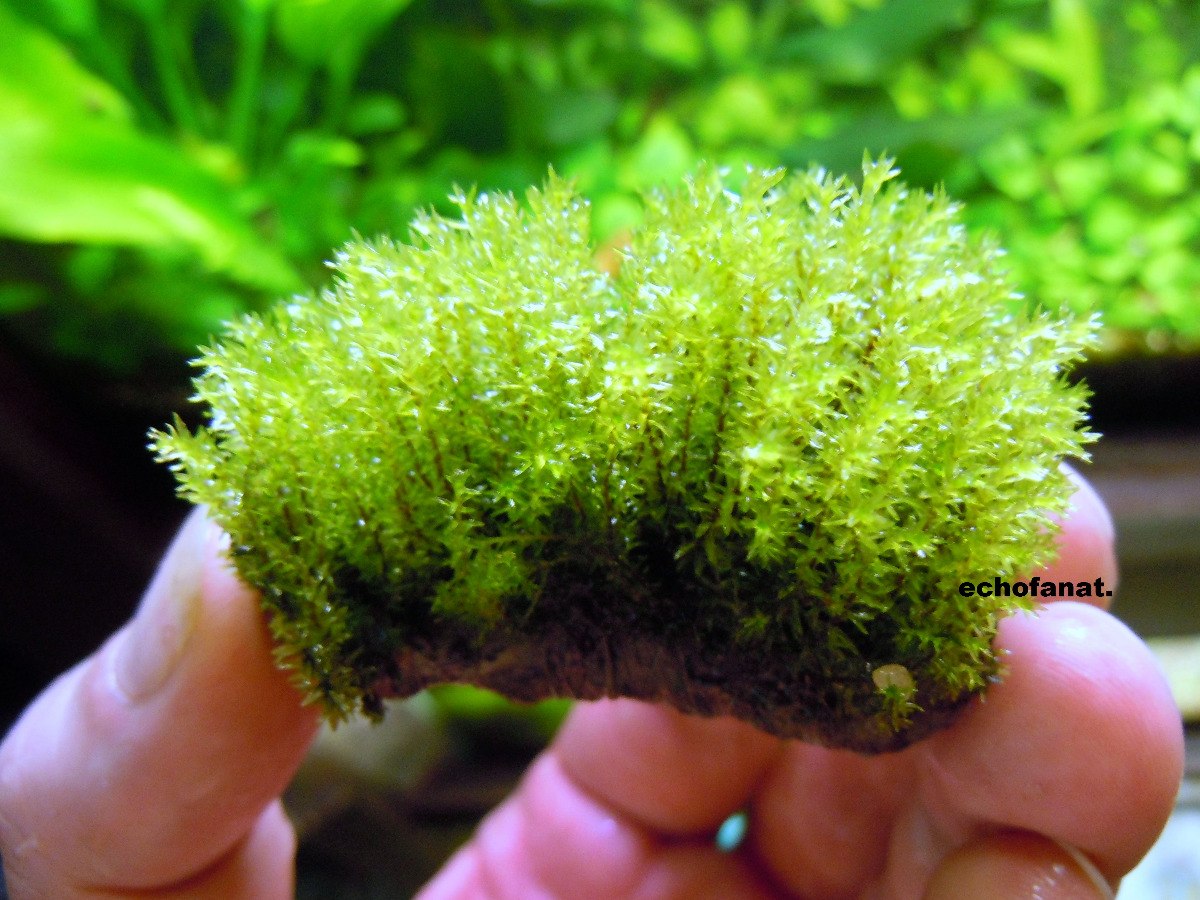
676 774
1081 743
1086 543
154 759
821 819
623 804
552 839
1015 864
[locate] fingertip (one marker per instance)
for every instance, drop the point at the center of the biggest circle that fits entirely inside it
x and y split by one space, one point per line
550 838
234 660
553 838
674 773
1080 741
822 818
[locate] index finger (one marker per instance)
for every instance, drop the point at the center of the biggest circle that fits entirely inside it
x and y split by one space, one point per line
673 773
623 804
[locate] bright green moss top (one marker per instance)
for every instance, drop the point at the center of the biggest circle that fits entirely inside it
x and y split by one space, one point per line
774 444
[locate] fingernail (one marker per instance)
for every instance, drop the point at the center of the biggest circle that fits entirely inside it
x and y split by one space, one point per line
1089 869
1017 864
151 645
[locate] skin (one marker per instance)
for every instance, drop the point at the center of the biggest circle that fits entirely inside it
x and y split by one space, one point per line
153 770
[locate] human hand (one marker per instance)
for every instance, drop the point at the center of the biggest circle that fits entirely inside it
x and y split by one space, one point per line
161 777
1076 755
154 767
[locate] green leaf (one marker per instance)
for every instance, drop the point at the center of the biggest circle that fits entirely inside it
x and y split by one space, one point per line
100 182
615 213
147 9
730 31
73 18
15 298
73 169
863 50
883 132
317 32
664 153
312 150
740 108
671 36
375 113
1082 61
835 12
571 117
1069 55
35 67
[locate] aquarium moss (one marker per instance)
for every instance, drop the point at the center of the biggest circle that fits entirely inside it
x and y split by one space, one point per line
744 474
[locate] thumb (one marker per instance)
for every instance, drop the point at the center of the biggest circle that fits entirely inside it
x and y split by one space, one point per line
154 766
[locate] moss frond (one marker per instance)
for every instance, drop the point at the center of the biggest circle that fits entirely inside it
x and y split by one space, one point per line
797 417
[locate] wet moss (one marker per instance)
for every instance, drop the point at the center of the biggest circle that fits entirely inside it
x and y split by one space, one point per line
739 475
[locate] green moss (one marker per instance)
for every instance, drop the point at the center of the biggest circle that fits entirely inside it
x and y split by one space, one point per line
800 415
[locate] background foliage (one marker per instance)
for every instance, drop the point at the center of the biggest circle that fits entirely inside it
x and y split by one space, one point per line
166 164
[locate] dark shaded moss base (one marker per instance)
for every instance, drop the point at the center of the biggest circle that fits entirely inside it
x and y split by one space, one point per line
645 625
602 629
746 685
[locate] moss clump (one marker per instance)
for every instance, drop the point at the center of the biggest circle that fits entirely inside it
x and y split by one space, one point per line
739 476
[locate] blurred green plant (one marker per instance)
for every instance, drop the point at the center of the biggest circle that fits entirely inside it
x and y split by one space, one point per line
1098 200
168 164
